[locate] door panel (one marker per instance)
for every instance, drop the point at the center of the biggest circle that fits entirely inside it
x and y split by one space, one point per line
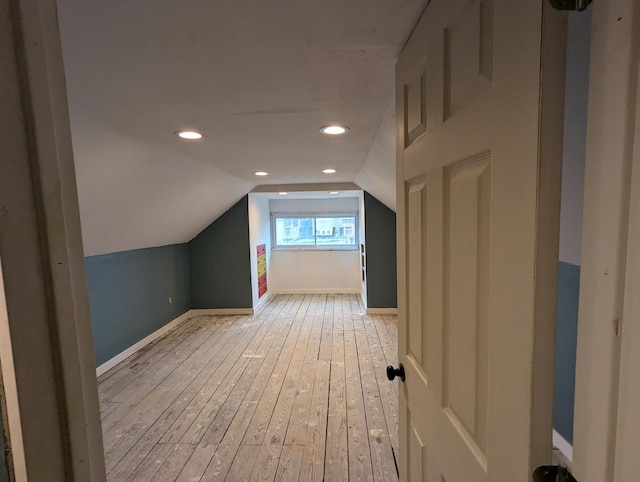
417 455
467 191
415 111
468 55
472 214
416 239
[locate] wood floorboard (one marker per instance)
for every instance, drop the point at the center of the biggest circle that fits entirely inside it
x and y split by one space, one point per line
359 451
158 410
226 352
198 462
289 463
114 380
150 465
257 429
296 392
142 386
382 460
336 459
388 390
242 465
220 464
107 407
210 396
312 464
154 369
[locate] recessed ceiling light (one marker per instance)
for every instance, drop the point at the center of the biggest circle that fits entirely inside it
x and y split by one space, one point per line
334 130
329 171
333 192
283 193
261 173
189 135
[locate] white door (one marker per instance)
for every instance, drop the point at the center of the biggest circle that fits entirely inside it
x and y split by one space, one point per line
479 162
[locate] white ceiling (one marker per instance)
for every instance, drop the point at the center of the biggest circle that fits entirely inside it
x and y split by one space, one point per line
257 77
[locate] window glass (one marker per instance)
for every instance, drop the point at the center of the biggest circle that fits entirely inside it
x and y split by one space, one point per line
315 231
295 231
335 231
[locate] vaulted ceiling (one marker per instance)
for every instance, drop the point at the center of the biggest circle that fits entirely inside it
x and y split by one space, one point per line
258 78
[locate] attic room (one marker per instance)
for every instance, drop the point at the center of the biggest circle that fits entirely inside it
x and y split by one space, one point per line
187 160
339 241
148 197
135 293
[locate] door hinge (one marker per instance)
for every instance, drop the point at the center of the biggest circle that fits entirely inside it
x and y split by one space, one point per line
552 473
574 5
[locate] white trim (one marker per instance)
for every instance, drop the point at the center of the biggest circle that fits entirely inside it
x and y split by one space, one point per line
49 327
382 311
108 365
262 301
627 463
311 291
561 444
222 311
609 155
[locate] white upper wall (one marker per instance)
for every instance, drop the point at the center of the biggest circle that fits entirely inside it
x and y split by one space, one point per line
362 260
133 194
575 136
257 78
378 173
351 204
315 271
259 233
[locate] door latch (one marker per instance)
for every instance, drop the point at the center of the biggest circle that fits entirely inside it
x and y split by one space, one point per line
573 5
552 473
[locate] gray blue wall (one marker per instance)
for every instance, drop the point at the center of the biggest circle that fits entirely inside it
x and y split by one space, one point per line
219 260
129 292
380 249
566 342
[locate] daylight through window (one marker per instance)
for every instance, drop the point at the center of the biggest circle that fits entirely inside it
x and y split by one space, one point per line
315 231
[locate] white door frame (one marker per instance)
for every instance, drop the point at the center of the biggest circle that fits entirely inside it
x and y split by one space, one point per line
49 373
613 87
627 462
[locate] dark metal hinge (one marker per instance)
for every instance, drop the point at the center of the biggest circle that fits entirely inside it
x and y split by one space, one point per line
552 473
575 5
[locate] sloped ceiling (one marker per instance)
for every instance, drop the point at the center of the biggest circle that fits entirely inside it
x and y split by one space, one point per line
378 172
257 77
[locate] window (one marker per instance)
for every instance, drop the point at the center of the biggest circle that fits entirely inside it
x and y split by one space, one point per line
314 231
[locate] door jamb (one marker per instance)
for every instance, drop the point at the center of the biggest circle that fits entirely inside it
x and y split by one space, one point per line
42 257
627 464
610 126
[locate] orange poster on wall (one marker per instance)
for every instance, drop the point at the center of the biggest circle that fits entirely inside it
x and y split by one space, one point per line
262 269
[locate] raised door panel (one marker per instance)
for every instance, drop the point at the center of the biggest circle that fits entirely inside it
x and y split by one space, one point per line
466 217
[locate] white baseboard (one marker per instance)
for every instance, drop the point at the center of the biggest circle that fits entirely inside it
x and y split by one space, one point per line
262 301
382 311
222 311
561 444
310 291
108 365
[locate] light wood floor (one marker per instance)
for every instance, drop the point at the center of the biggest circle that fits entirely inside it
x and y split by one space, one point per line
297 391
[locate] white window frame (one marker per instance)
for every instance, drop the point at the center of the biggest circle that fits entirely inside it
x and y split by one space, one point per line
315 246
